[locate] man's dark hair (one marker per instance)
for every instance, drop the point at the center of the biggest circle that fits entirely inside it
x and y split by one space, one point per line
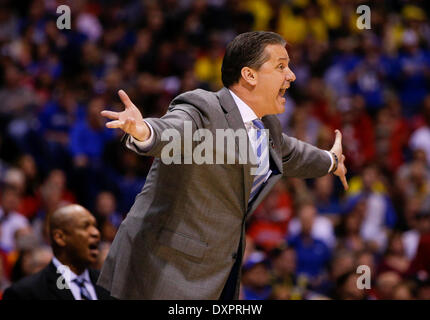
247 50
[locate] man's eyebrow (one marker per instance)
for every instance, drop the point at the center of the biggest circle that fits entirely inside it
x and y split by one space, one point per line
287 59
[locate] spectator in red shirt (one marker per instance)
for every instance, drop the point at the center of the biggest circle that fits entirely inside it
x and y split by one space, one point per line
395 258
421 262
358 133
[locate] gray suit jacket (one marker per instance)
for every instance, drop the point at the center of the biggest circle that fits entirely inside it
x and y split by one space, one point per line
180 238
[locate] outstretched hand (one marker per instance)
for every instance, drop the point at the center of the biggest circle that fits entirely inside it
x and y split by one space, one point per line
130 120
337 150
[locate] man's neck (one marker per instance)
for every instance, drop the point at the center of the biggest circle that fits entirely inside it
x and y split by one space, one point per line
76 268
245 95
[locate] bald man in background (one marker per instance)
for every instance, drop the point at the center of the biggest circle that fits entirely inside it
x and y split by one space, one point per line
74 239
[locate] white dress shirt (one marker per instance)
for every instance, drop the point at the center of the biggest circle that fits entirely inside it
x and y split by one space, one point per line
69 276
247 115
322 229
9 225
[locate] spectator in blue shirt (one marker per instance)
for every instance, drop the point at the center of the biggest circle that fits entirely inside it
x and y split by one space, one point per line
55 122
89 137
312 254
326 200
413 66
379 216
368 77
256 277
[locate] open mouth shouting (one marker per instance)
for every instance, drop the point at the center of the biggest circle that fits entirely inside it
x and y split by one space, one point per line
94 248
282 92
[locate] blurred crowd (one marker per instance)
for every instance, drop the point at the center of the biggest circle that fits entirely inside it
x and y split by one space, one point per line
308 237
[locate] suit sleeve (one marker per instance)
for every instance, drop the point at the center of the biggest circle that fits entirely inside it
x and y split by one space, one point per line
302 160
180 120
11 294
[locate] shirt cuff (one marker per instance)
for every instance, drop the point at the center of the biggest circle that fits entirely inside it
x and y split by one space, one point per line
331 160
144 145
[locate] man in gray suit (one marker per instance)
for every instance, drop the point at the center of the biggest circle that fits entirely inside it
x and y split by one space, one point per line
184 236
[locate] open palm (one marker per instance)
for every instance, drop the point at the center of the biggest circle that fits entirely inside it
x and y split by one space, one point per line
341 169
130 120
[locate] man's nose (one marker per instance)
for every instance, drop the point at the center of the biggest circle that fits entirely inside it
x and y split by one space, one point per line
95 233
290 76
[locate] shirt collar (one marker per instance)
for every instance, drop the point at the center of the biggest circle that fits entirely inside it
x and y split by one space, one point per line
83 276
246 112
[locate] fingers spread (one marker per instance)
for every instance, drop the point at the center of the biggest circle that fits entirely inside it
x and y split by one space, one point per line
344 182
125 99
342 172
115 124
110 114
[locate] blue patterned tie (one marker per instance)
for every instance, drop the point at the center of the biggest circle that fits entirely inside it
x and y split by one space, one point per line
85 295
263 169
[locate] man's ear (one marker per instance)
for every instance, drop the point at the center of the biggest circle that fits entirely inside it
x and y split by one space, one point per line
249 75
59 237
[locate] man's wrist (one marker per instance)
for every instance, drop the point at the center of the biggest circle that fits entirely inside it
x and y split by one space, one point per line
146 145
148 133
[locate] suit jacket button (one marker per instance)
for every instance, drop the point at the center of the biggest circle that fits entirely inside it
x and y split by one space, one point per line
234 255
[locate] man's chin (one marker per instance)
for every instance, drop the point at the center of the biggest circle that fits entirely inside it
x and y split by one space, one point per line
280 102
276 108
93 257
280 108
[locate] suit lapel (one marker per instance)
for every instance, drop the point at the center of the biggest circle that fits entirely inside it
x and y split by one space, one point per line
275 157
235 122
101 293
53 277
274 149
